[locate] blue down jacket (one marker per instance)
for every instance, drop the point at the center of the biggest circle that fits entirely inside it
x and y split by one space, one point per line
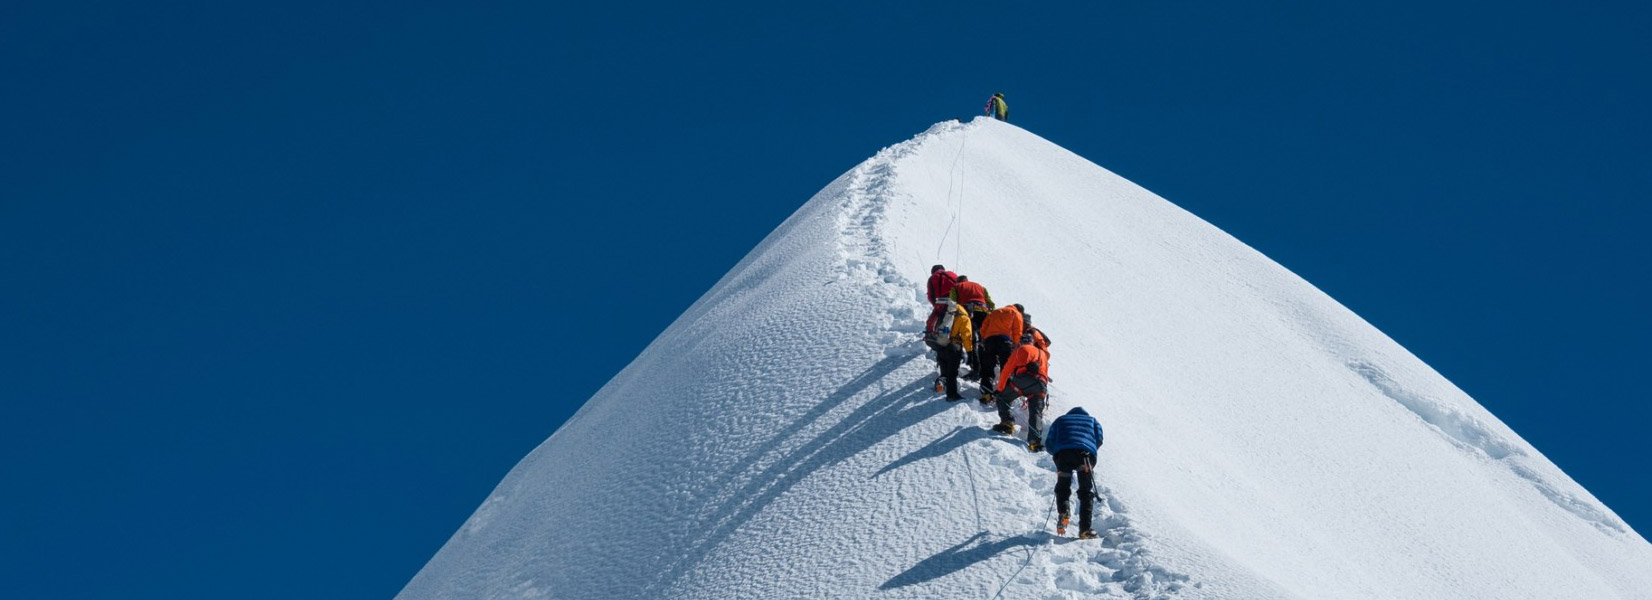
1074 430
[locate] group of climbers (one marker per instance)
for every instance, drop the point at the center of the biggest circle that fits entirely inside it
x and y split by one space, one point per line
1010 358
1007 355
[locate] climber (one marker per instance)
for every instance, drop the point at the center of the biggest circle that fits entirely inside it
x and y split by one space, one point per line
940 288
1027 374
974 298
997 108
999 333
977 302
1038 337
950 352
1074 442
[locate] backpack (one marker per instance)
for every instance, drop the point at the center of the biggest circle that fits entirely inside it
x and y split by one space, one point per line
1032 368
1028 384
939 338
941 334
942 283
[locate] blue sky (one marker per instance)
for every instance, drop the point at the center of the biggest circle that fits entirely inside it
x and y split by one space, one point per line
291 287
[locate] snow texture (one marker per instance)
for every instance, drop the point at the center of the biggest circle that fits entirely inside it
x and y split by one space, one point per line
782 439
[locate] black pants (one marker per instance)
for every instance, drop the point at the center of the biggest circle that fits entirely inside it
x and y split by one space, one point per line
1033 390
976 317
1066 463
995 351
949 356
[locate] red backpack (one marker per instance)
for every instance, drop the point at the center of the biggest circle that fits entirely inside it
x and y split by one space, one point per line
941 284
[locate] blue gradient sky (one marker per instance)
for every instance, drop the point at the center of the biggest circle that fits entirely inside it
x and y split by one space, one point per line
291 287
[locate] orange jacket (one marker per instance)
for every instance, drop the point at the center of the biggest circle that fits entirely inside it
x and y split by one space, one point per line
1025 353
1038 338
1004 321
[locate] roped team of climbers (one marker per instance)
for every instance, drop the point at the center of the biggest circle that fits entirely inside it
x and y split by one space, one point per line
1011 360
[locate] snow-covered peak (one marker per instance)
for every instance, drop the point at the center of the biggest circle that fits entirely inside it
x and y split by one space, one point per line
782 439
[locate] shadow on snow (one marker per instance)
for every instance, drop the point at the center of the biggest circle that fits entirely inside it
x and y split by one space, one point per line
872 422
947 443
960 557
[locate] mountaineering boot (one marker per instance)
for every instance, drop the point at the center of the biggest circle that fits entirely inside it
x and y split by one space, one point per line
1087 535
1061 524
940 384
1035 446
1005 427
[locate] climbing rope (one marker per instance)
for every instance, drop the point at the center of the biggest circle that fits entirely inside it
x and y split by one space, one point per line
975 497
1031 552
958 212
958 248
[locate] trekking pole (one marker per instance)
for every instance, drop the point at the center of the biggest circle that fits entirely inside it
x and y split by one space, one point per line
1095 490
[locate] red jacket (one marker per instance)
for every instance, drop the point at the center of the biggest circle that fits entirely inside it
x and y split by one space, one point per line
940 285
969 292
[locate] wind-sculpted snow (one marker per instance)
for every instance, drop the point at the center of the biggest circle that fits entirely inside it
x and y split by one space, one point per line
1465 430
781 438
1469 433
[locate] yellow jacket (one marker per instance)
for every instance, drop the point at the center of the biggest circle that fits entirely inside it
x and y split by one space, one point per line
962 329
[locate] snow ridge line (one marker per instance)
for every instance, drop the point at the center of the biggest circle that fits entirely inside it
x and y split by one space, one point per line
862 245
1458 427
1468 433
1122 566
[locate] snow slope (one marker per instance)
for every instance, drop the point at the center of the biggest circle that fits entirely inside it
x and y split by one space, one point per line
780 439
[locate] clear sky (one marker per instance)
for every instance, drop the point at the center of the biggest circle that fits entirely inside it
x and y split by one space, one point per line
290 287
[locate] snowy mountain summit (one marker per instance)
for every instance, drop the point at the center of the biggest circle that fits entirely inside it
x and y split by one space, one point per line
782 439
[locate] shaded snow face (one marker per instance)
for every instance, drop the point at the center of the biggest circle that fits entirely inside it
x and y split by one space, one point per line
782 438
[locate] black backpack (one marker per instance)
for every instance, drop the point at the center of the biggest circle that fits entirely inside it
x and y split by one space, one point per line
1027 381
1032 368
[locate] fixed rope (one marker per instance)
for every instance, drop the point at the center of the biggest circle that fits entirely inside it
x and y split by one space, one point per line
954 174
1031 552
975 497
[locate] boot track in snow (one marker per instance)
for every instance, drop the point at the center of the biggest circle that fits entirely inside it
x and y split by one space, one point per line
1016 512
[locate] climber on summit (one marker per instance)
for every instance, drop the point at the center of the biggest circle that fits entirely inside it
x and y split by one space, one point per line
999 333
1075 440
940 288
997 108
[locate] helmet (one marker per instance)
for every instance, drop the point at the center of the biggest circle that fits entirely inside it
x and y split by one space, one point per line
936 268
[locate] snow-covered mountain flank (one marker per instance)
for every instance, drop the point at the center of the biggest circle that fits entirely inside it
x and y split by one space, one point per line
782 439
